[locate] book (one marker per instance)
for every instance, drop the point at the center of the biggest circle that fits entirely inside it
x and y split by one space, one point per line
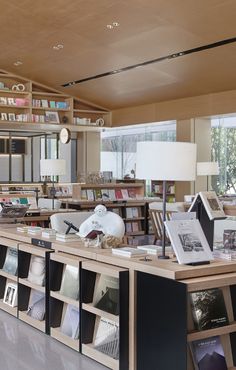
128 252
118 194
208 309
98 194
37 270
44 103
84 194
11 261
135 212
135 226
132 193
70 282
10 294
90 194
153 249
208 354
37 306
67 238
105 194
49 234
128 227
188 241
211 204
70 324
106 294
112 194
107 338
129 212
124 193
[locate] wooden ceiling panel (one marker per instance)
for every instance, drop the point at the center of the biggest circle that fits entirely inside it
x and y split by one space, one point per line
148 29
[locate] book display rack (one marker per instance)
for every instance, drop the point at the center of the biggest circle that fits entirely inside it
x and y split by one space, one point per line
157 190
64 299
105 312
29 103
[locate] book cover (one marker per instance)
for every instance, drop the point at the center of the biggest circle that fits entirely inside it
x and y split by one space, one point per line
37 306
106 294
211 204
208 354
129 213
208 309
90 194
105 194
118 194
128 252
70 324
107 338
84 194
188 241
37 270
112 194
98 194
132 193
135 226
70 282
135 212
128 227
11 261
125 194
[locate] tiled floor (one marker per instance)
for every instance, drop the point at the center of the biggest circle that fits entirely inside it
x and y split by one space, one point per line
25 348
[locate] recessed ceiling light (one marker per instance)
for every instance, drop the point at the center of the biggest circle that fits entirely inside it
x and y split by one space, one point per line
18 63
115 24
58 47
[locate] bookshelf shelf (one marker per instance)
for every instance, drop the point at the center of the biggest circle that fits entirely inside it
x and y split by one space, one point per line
90 351
196 335
31 285
64 298
97 312
40 325
5 307
70 342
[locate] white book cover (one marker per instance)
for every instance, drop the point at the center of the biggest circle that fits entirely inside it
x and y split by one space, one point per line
211 203
129 213
112 194
107 338
153 249
70 324
37 270
125 193
105 194
90 194
188 241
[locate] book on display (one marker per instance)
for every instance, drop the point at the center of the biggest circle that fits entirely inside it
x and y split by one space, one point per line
70 324
106 294
37 270
188 241
128 252
70 282
208 309
211 204
107 338
208 354
11 261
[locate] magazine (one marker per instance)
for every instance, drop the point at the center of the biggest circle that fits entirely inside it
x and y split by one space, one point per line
188 241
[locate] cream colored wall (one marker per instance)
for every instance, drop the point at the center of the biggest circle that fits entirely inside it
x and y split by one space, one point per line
88 152
180 109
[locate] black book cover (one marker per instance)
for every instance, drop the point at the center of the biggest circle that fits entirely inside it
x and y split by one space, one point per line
208 309
110 301
208 354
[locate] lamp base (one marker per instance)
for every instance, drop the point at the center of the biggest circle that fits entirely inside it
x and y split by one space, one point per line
161 257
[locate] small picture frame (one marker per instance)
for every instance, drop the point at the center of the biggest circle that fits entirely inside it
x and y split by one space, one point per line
11 117
4 117
52 117
10 295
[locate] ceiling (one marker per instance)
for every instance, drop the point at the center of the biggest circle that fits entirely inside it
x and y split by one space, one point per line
148 29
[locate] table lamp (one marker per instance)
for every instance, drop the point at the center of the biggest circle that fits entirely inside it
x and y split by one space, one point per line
166 161
52 167
207 169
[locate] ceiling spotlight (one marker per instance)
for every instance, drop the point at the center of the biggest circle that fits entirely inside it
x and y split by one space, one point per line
115 24
109 26
58 47
18 63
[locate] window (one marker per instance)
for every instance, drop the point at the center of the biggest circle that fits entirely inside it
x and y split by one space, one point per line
118 150
223 135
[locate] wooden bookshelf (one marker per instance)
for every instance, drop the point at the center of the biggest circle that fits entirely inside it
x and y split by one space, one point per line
31 106
157 189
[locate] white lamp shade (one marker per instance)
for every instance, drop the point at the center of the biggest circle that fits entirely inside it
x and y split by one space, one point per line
207 168
52 167
166 161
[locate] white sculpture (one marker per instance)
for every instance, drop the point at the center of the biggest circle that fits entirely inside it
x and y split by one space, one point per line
108 222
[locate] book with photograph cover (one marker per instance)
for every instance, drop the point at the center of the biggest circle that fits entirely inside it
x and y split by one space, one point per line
105 194
208 354
37 305
70 324
132 193
37 270
107 338
98 194
211 204
208 309
70 282
106 294
188 241
125 194
11 261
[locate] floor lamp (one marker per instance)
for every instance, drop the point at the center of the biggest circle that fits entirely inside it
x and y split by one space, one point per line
207 169
52 167
166 161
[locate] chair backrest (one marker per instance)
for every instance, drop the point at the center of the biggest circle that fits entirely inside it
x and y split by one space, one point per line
57 220
47 203
156 217
171 207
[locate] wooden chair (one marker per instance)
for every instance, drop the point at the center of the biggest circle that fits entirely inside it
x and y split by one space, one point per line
156 217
